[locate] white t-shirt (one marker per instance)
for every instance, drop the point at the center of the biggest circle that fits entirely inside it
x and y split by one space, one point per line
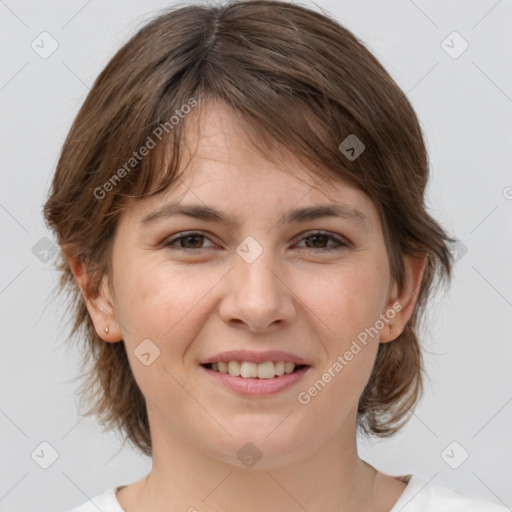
418 496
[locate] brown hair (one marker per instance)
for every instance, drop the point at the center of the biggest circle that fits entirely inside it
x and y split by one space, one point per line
297 78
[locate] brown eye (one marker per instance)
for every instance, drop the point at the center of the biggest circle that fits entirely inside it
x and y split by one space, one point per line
318 240
187 241
192 241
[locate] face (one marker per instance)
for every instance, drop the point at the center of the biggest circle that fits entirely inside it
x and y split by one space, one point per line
188 288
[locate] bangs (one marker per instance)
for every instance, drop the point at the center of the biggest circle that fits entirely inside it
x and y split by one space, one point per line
282 101
298 134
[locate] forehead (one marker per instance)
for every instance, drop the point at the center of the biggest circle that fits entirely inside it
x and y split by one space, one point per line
218 143
222 168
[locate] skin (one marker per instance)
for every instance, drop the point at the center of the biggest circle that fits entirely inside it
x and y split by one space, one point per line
295 296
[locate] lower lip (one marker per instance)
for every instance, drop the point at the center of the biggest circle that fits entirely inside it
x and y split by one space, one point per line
257 387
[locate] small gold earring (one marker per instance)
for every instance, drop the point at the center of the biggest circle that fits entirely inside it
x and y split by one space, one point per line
106 330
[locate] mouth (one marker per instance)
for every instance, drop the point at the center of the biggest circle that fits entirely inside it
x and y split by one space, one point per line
251 370
255 380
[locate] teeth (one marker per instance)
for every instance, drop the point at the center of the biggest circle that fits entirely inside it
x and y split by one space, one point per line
289 367
248 369
266 370
234 368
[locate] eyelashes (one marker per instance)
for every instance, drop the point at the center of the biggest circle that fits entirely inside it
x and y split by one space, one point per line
340 243
197 237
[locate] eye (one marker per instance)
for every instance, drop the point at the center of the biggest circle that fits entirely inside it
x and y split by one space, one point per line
193 241
319 238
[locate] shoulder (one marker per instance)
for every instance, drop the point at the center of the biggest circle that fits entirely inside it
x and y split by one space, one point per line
106 502
422 496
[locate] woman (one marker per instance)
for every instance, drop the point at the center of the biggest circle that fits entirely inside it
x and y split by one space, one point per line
240 207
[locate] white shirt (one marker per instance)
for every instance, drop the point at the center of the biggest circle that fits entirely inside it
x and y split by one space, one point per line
418 496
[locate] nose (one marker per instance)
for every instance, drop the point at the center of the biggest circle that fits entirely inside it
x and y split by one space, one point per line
257 295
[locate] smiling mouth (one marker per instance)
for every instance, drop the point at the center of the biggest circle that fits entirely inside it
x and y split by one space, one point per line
250 370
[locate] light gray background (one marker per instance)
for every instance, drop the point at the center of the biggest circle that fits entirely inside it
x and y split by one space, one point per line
465 106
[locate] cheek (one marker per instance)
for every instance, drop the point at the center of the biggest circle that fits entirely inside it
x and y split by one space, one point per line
346 304
347 300
164 303
157 304
358 297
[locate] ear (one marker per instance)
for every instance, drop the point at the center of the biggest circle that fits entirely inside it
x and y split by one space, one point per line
101 306
403 303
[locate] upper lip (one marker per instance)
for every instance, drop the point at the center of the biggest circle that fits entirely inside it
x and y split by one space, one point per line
255 357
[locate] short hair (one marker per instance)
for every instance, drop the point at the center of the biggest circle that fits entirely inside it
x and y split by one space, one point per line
298 79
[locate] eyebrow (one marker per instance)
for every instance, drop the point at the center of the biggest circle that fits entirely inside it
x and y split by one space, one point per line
205 213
